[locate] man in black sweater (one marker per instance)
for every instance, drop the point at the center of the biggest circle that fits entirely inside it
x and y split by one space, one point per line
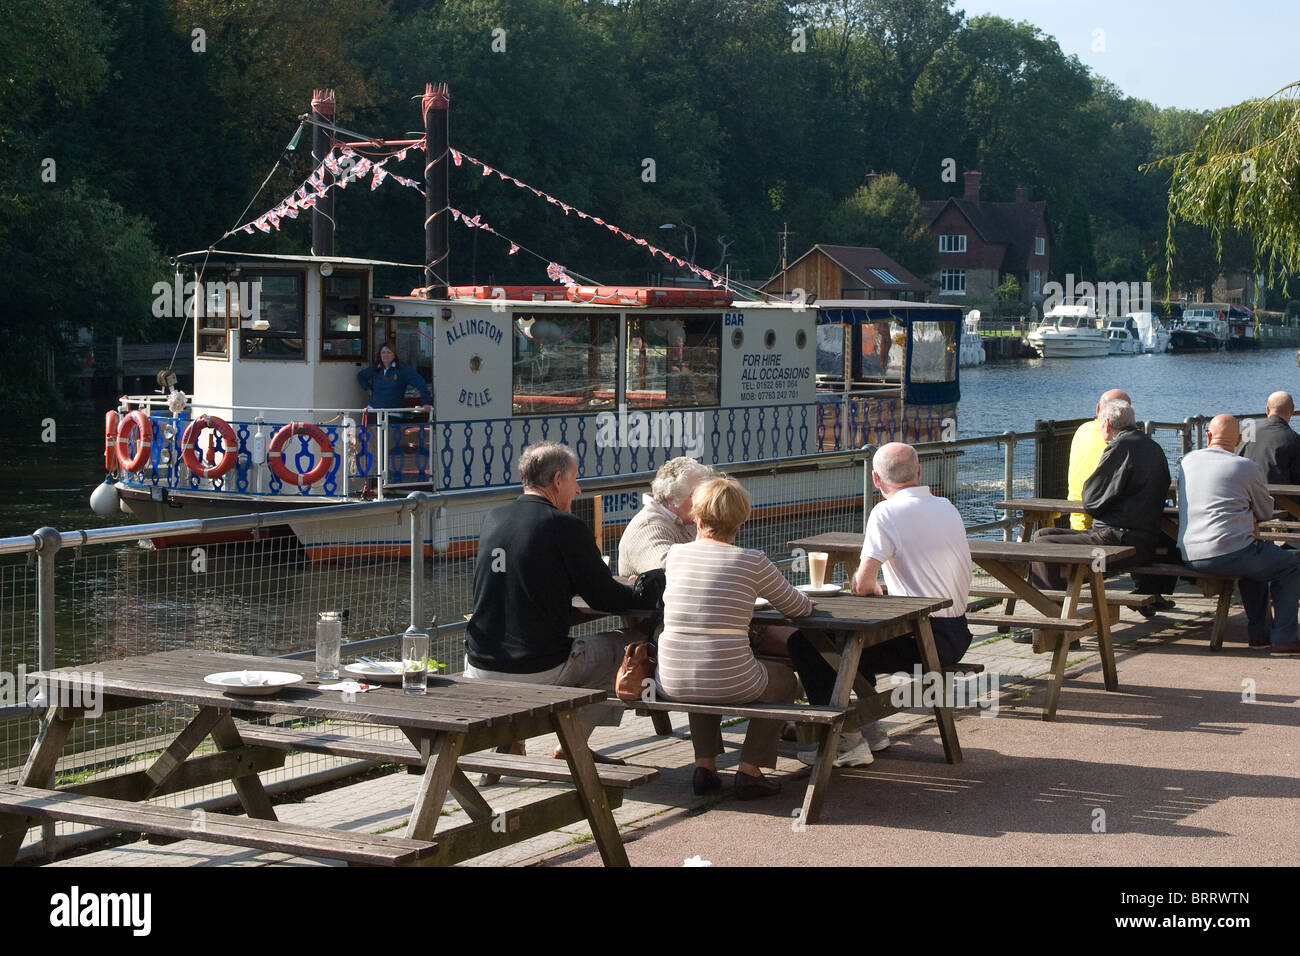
1125 495
533 557
1275 446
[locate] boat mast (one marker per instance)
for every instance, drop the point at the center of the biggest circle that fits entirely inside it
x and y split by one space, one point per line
322 214
434 104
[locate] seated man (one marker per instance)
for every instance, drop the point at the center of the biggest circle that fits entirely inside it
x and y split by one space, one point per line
664 519
1125 496
919 541
1085 451
533 557
1276 447
1220 496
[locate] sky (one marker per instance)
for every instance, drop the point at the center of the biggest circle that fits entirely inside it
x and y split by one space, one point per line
1190 54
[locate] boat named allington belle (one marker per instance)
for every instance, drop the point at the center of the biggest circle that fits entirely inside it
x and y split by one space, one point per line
627 376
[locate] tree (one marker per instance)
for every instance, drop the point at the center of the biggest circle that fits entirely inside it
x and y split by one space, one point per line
1008 291
886 213
1241 175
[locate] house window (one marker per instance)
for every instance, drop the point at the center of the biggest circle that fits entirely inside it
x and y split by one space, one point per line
1040 246
952 243
952 281
1036 283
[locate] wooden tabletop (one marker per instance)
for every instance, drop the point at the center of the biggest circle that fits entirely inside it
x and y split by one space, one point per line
451 704
1047 551
983 549
849 612
1289 491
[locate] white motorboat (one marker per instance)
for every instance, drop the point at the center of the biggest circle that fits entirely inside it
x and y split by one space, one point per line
1070 331
1151 331
1122 336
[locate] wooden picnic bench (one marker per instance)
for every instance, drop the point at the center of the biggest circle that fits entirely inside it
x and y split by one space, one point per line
454 720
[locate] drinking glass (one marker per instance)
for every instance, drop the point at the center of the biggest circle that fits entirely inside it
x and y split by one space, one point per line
329 638
415 662
817 568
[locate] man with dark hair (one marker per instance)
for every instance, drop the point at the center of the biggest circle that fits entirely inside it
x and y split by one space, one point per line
1275 447
533 557
1125 495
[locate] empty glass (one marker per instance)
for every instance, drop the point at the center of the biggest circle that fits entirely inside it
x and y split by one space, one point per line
415 661
329 638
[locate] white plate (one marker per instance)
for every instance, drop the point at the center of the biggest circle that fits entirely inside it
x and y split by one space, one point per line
252 683
381 672
824 589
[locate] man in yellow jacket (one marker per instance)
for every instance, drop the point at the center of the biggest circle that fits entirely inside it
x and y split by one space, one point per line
1085 451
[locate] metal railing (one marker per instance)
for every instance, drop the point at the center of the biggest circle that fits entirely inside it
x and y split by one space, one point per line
72 598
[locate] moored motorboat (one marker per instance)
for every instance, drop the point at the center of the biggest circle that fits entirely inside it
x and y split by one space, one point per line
1070 331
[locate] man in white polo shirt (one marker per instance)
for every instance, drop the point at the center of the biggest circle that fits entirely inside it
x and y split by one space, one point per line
919 542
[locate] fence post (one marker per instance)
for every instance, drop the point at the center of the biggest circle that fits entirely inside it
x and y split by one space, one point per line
1008 476
420 503
867 486
48 542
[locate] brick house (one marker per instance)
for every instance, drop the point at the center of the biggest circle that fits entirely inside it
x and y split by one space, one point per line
980 243
848 272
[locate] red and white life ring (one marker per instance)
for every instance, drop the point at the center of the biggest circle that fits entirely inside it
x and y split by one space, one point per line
137 419
111 421
276 454
229 447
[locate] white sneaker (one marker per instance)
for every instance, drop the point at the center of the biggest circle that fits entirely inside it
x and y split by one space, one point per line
859 756
877 736
849 742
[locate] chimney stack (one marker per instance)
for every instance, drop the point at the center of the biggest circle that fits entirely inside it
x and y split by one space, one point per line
1022 194
972 180
322 214
871 178
434 106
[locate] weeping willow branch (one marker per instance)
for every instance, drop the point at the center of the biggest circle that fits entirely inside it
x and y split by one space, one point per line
1243 174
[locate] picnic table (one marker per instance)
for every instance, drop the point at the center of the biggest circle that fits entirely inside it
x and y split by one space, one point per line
454 719
1041 512
852 624
1286 497
1007 562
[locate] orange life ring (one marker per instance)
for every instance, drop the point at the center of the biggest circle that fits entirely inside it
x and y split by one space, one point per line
275 454
229 449
140 420
111 421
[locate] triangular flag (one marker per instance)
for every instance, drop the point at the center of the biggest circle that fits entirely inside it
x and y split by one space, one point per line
514 247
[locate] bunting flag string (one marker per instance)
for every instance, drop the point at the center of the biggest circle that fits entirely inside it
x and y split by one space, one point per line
457 157
345 166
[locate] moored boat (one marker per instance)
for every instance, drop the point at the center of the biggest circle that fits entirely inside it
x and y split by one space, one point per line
627 376
1203 327
1070 331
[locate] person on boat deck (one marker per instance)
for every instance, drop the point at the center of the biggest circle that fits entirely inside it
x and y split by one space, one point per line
918 541
388 378
534 555
1125 495
1276 447
704 653
1220 497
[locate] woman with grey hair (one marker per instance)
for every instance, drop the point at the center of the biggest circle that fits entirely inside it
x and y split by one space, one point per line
664 519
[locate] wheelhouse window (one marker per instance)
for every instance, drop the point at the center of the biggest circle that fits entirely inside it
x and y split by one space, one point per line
564 363
952 281
954 243
343 307
275 328
673 361
217 305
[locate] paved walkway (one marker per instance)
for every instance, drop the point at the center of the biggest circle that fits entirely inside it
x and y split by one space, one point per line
1180 767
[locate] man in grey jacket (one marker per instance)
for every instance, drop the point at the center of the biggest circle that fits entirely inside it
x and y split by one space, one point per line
1220 497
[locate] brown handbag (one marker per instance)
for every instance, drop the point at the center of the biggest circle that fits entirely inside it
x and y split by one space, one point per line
636 675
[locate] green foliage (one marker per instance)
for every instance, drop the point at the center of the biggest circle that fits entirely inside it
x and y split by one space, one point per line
886 214
1241 175
1008 291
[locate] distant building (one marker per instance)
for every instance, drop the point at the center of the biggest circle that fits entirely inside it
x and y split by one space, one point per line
848 272
980 243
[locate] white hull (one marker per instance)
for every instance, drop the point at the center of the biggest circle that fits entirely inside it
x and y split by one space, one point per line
1056 345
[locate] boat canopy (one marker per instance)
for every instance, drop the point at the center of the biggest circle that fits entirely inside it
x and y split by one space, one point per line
923 336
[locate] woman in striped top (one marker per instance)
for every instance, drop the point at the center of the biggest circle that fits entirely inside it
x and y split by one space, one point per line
704 652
